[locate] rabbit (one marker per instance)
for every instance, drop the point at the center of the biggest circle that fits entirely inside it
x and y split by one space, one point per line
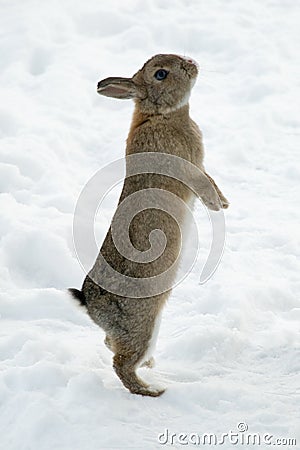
160 123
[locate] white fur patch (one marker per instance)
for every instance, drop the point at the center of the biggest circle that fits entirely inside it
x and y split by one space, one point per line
182 103
153 340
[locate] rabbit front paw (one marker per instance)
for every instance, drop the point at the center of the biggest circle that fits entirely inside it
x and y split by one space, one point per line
211 199
225 203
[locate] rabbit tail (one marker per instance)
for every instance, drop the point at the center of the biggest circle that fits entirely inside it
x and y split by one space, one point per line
78 295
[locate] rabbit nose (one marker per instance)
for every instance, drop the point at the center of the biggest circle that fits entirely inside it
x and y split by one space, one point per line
190 60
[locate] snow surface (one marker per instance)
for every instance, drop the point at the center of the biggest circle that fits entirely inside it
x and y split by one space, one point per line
228 350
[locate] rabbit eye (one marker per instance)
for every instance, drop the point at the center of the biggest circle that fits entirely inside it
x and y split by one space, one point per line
161 74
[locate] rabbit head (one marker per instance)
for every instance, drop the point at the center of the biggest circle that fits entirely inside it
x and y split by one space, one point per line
161 86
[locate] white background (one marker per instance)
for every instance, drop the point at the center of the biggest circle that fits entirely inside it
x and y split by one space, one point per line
228 351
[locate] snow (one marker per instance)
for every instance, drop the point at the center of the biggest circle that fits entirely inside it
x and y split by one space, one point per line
228 351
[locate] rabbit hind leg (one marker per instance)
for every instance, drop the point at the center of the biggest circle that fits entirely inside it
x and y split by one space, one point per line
125 363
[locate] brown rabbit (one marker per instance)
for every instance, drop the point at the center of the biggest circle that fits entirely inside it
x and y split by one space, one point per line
161 124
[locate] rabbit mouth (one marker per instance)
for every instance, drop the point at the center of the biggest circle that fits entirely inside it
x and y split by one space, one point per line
191 71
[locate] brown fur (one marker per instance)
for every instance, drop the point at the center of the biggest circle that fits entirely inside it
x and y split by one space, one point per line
160 123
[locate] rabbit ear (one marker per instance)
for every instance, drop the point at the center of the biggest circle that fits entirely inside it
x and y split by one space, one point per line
117 87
